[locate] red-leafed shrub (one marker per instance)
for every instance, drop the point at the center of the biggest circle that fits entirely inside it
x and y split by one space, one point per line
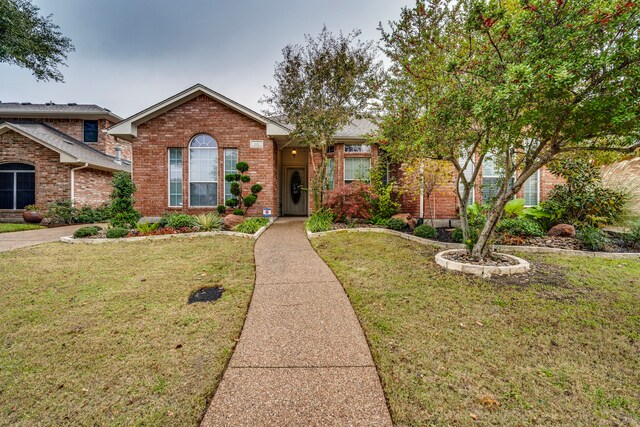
350 201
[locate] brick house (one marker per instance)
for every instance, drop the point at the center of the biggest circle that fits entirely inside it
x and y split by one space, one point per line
50 152
184 146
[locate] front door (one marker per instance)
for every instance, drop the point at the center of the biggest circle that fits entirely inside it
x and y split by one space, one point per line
295 198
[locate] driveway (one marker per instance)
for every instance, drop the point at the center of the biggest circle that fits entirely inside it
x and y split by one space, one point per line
22 239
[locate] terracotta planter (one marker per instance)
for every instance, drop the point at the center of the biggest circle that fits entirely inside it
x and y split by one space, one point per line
32 217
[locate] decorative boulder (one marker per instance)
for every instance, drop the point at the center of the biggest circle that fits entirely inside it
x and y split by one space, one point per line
231 220
407 219
562 230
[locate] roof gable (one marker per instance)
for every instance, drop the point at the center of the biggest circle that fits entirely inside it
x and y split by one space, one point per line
128 128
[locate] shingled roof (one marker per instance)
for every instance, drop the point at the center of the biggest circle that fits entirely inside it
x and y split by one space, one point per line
70 110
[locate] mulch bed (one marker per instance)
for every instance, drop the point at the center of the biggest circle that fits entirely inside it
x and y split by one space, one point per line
494 260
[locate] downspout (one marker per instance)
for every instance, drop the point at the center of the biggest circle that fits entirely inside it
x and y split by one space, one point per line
421 192
73 185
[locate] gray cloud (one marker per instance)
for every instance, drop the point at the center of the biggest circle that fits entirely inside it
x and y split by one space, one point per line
132 53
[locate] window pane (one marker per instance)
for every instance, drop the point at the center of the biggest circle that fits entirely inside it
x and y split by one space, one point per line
230 162
468 173
175 177
531 190
6 190
364 148
330 174
90 131
203 194
203 164
356 169
25 189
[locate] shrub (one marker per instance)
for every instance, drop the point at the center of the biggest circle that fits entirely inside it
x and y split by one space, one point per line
146 228
592 238
633 236
540 215
396 224
209 221
222 209
240 201
320 221
85 232
520 227
117 232
425 231
383 203
180 220
62 212
457 235
238 212
122 212
514 208
350 201
251 225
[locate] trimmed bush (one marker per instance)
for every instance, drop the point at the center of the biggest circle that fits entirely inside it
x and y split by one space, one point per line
85 232
209 221
520 227
592 238
117 232
425 231
222 209
251 225
457 235
319 221
62 212
122 212
350 201
180 220
396 224
239 212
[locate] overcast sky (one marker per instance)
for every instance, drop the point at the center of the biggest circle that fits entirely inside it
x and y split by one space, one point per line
131 54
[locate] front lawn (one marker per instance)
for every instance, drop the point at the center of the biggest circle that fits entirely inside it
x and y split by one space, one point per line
103 335
558 347
9 228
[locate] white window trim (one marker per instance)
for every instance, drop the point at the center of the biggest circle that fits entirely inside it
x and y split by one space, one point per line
217 148
344 169
169 176
537 189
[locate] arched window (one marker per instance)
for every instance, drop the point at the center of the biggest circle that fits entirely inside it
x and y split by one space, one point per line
17 185
203 171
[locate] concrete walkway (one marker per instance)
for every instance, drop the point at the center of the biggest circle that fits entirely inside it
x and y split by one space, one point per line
302 358
21 239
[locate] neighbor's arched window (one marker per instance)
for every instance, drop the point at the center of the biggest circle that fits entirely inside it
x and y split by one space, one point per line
203 171
17 185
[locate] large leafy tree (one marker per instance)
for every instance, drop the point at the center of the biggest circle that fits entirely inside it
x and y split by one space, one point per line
321 87
32 41
523 81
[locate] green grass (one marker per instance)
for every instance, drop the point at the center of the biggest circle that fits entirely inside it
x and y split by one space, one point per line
559 347
10 228
103 335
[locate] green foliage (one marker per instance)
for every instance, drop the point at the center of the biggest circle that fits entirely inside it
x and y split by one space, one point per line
32 41
425 231
209 221
221 209
147 227
85 232
457 235
178 220
383 202
249 200
514 208
396 224
320 221
633 236
117 232
583 200
592 238
232 177
122 212
238 212
87 214
235 187
541 215
62 212
251 225
232 202
520 227
256 188
245 178
242 167
320 88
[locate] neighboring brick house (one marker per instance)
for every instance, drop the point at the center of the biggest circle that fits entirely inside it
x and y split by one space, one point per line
50 152
184 146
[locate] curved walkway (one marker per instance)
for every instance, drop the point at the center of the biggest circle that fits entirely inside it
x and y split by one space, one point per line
302 358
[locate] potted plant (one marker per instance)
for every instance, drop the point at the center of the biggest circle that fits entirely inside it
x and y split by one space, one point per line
32 214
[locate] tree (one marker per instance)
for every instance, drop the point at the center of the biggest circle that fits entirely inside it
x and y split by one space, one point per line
322 87
524 82
123 214
31 41
236 180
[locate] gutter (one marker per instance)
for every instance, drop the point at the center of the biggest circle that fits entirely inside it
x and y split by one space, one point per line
73 186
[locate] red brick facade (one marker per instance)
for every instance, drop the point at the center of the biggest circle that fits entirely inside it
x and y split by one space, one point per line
175 129
92 187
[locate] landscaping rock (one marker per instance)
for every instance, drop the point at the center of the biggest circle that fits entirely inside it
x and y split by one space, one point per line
562 230
407 219
230 221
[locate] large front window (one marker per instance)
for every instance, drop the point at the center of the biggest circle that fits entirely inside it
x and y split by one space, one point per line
492 180
532 190
203 171
356 169
17 185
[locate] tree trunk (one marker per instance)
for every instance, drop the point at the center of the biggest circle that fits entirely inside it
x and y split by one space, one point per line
482 247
